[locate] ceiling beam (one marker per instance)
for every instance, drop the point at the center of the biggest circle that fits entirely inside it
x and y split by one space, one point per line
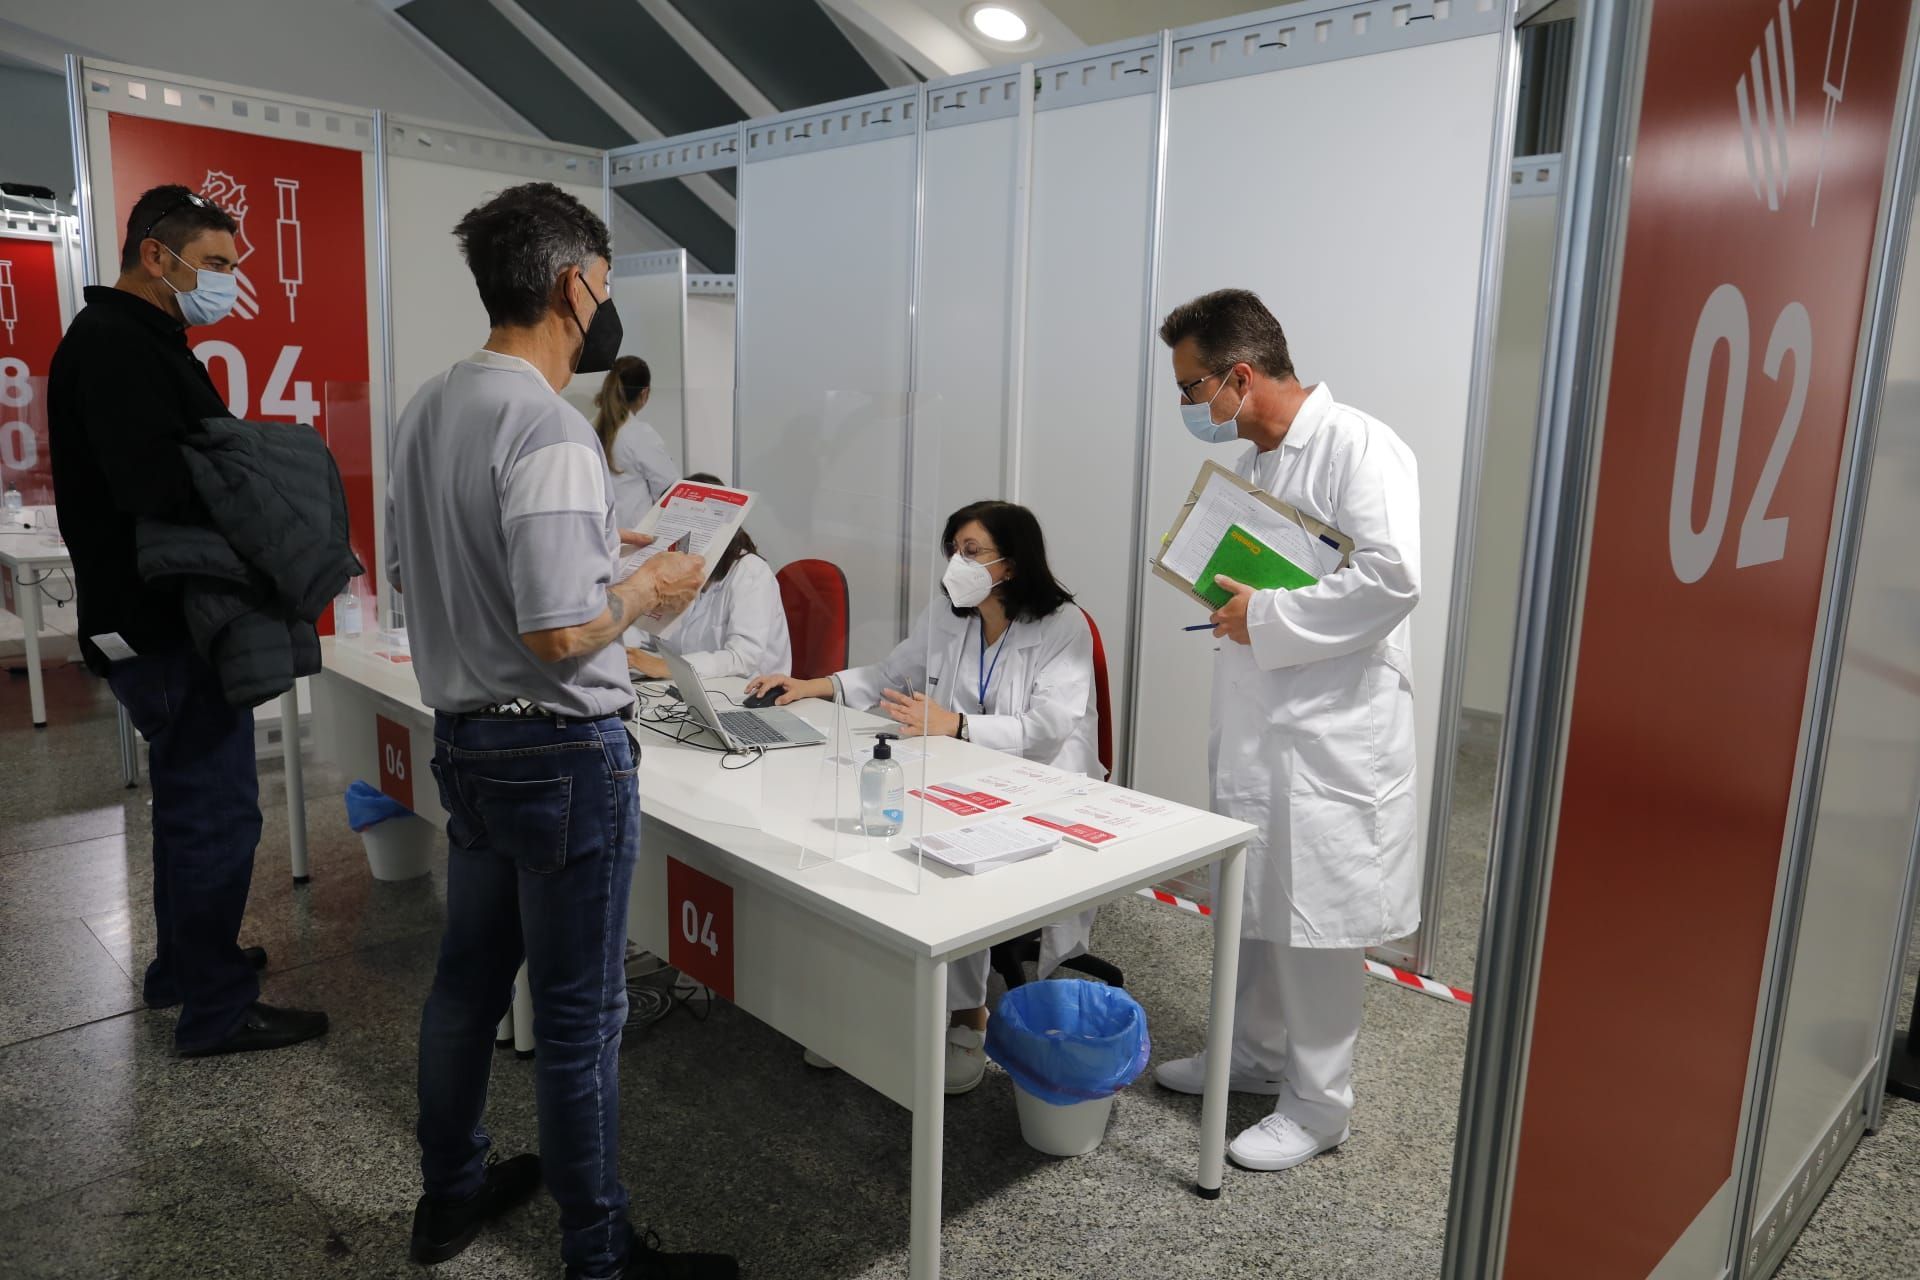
913 35
637 126
710 60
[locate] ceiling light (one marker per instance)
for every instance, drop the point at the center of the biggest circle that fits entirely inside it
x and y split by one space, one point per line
997 23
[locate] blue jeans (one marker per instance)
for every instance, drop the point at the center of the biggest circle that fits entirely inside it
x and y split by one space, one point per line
543 818
206 825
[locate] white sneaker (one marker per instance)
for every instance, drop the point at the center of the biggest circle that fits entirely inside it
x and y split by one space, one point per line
1279 1142
1189 1075
966 1059
817 1062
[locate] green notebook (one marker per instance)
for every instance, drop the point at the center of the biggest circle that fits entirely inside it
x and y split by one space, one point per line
1245 558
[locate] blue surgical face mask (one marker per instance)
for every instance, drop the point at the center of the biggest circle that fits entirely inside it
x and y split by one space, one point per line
212 296
1199 419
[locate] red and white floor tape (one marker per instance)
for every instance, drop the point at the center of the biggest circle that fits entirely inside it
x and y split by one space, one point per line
1385 972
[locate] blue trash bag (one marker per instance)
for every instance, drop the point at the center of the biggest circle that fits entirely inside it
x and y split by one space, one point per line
368 806
1066 1041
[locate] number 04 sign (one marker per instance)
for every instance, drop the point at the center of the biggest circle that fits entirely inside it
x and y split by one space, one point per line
700 926
1758 166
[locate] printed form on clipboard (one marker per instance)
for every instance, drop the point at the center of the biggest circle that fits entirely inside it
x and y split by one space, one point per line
1230 524
698 519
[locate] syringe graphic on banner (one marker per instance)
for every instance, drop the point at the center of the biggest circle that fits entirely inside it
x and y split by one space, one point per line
9 300
287 235
1834 89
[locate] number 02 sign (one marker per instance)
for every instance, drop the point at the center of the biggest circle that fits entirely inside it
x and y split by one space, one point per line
700 926
1758 165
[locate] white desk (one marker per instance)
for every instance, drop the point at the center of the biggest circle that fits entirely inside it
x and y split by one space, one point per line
841 955
27 557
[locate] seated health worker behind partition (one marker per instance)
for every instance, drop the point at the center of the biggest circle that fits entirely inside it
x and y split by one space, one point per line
736 626
1312 737
636 456
1012 669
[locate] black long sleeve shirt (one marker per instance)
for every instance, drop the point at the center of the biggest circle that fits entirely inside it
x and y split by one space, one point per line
121 393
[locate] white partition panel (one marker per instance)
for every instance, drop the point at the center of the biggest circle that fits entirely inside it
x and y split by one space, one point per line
1093 149
826 264
962 360
434 176
1853 924
1513 407
652 293
710 374
1361 225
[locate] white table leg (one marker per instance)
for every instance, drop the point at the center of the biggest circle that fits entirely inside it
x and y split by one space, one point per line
929 1115
503 1034
1226 972
522 1015
296 784
129 748
28 600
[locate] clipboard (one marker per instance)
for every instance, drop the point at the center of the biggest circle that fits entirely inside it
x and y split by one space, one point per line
1325 533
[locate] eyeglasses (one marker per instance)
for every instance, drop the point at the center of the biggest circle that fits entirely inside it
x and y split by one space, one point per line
189 200
1186 388
973 551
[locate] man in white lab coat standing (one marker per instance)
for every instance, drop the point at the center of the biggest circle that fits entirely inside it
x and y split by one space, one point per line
1312 736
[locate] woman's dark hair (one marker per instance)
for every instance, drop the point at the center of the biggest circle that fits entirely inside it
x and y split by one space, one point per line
1030 591
741 546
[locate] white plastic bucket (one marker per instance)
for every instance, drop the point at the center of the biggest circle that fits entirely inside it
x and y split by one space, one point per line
400 848
1072 1130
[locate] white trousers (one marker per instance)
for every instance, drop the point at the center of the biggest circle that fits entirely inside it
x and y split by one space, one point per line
1296 1017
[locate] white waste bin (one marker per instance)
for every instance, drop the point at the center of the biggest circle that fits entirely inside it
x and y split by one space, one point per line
401 848
1071 1130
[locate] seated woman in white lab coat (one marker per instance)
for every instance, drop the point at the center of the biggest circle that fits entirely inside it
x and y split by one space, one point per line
638 464
1011 661
736 626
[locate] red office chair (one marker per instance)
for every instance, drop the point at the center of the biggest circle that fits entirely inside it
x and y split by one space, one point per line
1010 958
814 595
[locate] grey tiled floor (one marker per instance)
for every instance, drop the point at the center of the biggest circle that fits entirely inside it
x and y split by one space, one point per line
122 1161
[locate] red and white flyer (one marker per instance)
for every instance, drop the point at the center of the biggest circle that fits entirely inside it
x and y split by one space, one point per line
1106 814
1017 782
698 519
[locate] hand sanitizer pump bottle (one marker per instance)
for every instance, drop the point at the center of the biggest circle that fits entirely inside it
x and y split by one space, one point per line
883 791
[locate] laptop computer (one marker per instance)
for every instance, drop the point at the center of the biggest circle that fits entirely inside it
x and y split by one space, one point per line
742 730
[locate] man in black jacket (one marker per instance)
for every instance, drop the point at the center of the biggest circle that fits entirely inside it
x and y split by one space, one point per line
124 389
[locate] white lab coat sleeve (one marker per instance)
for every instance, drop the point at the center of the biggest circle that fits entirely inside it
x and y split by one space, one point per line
1354 609
1060 687
638 448
755 640
904 668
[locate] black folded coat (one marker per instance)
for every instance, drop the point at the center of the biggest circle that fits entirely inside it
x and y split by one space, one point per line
256 578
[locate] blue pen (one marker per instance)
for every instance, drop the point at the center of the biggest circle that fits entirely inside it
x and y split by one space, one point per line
1205 626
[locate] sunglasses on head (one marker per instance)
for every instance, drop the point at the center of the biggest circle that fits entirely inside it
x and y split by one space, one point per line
189 200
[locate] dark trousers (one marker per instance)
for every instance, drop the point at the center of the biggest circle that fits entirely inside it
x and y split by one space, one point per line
206 825
543 820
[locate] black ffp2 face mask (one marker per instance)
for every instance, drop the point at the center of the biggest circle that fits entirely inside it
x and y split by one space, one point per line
599 340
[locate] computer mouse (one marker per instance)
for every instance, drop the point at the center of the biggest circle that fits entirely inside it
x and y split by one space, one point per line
765 698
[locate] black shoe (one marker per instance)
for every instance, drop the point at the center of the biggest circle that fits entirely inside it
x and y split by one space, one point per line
265 1027
649 1262
254 956
442 1228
